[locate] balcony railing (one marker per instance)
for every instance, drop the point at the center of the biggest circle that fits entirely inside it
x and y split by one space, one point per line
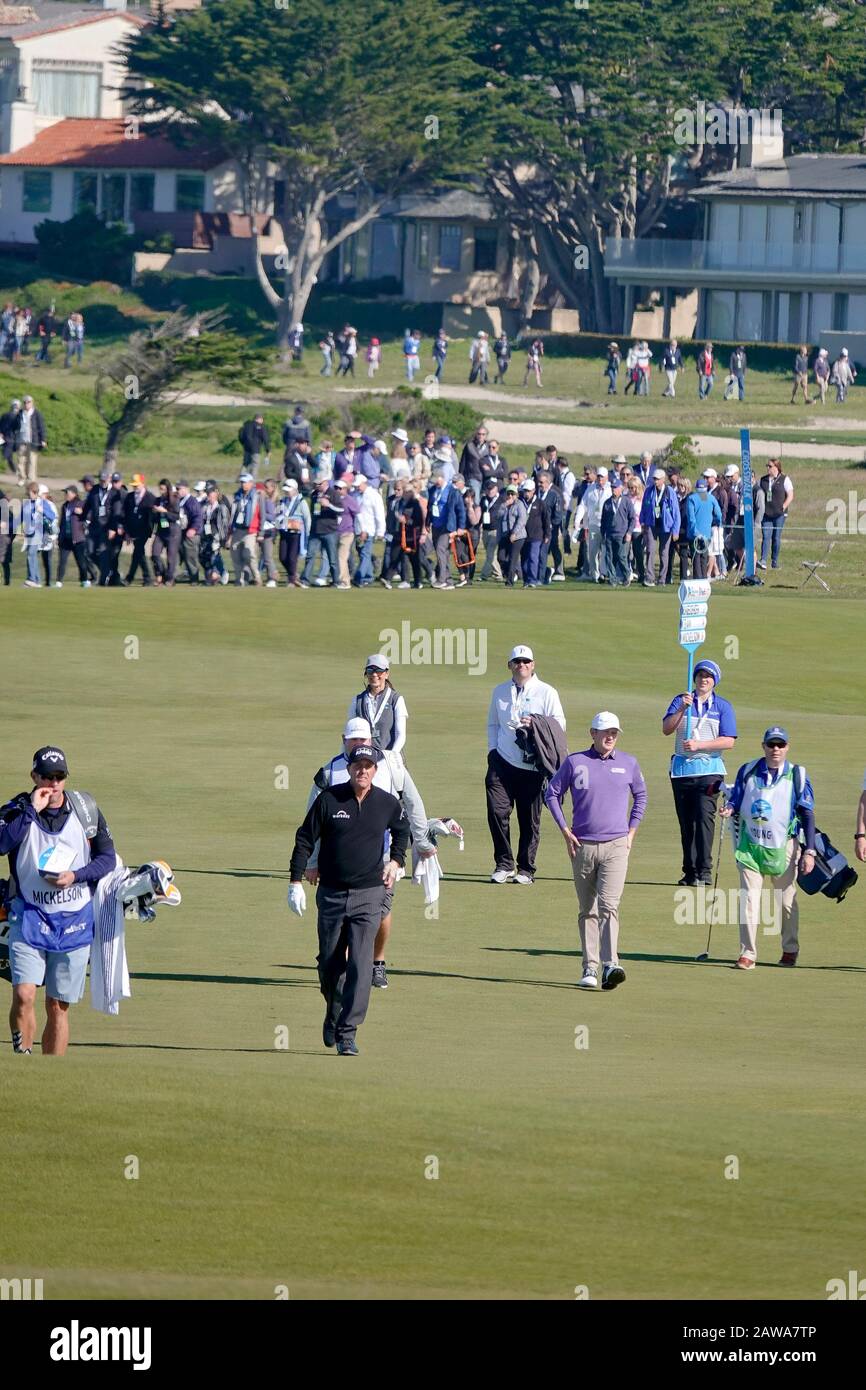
657 254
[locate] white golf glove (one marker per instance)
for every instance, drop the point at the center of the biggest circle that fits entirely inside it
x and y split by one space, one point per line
297 899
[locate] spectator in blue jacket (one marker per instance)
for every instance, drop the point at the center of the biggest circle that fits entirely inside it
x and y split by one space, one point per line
660 519
446 515
702 514
618 520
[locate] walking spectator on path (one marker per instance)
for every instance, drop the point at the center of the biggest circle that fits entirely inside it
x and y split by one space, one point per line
327 347
843 376
778 493
821 368
46 330
411 349
706 368
672 363
611 371
440 352
296 342
479 358
502 353
601 780
9 435
632 375
737 366
73 336
255 440
644 366
374 357
534 354
801 375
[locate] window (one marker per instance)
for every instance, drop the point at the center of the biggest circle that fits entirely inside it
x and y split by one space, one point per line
141 193
450 244
36 195
66 88
840 313
114 197
422 245
189 192
485 248
85 192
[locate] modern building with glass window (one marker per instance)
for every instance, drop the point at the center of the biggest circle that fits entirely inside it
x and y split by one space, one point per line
783 256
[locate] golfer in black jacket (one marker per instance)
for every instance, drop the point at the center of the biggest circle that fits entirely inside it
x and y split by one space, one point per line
350 822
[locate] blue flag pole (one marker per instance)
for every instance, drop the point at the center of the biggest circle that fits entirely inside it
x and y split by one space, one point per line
689 680
748 504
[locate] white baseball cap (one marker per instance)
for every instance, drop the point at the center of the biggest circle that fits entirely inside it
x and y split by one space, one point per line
378 662
710 473
358 728
381 446
601 472
731 469
605 720
524 652
401 435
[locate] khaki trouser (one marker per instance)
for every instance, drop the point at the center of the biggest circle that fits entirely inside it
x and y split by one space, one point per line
27 460
245 551
785 886
344 550
599 869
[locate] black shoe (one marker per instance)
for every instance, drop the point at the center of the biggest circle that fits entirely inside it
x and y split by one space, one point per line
611 976
346 1047
380 979
687 881
329 1036
705 879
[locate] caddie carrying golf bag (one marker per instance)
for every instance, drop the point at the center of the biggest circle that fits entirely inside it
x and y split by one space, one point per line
832 874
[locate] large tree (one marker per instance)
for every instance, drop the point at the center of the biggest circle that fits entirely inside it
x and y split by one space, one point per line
587 114
355 101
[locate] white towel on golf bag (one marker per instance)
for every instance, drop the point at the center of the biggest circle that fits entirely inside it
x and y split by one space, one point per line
109 973
428 873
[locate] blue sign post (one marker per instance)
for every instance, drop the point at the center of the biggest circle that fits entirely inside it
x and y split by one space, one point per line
694 597
748 506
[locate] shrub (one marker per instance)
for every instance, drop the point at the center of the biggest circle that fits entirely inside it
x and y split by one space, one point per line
86 247
71 420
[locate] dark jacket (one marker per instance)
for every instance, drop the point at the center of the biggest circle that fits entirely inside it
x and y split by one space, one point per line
552 500
326 510
97 511
296 429
190 507
116 504
618 517
9 425
254 437
37 429
71 523
737 362
537 520
351 836
138 516
470 460
549 743
493 466
452 512
294 465
490 510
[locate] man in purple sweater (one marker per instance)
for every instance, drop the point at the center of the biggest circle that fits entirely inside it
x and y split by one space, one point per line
601 780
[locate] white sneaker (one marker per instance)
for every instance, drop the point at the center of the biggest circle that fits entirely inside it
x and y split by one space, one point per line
224 577
589 979
557 579
323 583
86 584
344 586
271 584
522 878
58 584
32 584
404 584
502 876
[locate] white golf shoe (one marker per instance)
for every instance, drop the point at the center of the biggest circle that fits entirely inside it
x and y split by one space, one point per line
589 979
502 876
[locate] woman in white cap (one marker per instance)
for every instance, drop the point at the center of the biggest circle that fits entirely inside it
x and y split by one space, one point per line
381 705
479 357
39 523
293 524
821 368
843 376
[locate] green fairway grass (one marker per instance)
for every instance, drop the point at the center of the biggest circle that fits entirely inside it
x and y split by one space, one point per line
559 1166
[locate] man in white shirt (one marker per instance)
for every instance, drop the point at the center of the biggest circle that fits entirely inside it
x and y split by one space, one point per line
369 526
588 515
513 780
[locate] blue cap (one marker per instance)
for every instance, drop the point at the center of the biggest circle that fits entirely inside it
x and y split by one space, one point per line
700 485
713 669
776 731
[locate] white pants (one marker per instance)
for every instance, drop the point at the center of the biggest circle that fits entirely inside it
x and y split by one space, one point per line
784 884
594 555
672 381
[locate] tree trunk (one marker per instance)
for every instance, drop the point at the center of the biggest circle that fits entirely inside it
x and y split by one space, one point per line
531 284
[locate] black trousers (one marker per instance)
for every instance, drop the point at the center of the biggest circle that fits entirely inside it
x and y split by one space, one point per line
79 551
6 558
347 920
695 801
139 560
509 560
508 787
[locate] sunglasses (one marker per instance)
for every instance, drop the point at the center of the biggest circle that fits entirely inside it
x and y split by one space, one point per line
52 776
775 744
521 661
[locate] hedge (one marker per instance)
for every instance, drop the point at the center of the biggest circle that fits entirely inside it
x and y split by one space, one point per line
72 422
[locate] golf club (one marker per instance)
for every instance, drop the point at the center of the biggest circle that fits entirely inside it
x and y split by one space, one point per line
705 955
